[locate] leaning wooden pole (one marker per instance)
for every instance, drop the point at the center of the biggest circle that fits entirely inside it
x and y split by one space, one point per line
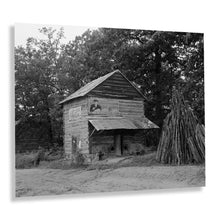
183 138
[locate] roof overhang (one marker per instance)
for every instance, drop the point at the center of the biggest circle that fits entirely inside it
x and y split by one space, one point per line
122 123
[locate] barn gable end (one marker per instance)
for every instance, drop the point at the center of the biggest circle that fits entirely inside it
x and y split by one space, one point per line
117 86
112 85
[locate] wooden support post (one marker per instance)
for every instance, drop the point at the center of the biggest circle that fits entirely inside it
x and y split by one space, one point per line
118 144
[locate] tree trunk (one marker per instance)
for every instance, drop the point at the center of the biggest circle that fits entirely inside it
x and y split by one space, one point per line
50 131
49 124
158 92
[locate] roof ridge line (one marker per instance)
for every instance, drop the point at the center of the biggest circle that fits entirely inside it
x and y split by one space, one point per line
106 76
96 82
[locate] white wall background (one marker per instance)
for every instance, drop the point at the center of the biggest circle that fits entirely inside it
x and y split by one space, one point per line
187 15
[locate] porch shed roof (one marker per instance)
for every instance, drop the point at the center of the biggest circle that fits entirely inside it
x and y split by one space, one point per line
121 123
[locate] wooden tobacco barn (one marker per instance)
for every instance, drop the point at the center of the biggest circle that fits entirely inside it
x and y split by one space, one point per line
105 116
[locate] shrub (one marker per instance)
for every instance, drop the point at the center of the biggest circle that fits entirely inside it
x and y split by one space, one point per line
25 160
50 156
35 158
79 159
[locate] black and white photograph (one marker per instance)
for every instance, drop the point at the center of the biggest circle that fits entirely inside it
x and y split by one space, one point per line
107 110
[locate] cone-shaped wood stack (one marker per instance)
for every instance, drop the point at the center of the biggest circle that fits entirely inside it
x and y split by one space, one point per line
183 138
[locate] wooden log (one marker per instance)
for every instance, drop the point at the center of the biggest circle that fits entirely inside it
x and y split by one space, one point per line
183 138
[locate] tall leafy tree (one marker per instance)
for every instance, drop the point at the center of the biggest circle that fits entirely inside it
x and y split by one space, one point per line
37 70
153 60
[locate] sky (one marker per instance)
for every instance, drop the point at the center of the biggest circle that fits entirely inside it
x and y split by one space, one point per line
24 31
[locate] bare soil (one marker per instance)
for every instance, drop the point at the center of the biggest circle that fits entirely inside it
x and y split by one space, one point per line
39 181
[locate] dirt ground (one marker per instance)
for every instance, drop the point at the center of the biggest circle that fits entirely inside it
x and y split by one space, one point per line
37 182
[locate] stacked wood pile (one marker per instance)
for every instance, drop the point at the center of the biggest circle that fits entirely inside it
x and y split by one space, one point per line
183 138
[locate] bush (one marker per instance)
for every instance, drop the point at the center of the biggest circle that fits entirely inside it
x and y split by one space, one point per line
79 159
25 160
34 158
55 155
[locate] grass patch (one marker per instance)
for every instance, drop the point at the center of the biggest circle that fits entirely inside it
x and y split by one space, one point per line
23 161
36 158
145 160
61 164
133 161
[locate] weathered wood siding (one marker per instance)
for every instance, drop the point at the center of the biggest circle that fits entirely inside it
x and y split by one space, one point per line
131 108
76 126
125 108
101 142
132 142
116 86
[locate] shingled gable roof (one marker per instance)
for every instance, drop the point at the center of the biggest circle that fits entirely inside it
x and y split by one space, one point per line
93 84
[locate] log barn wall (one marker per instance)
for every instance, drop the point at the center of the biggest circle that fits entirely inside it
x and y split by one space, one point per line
103 143
75 126
125 108
132 142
